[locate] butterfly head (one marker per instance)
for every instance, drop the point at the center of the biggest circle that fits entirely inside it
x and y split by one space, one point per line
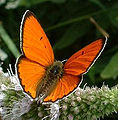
56 69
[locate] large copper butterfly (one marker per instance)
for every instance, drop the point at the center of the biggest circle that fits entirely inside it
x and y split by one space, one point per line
40 74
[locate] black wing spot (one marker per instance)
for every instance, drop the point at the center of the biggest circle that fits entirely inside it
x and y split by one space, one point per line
76 57
45 46
82 52
28 92
41 38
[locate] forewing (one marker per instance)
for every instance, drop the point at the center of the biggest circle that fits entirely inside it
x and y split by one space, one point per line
82 60
34 42
65 86
30 75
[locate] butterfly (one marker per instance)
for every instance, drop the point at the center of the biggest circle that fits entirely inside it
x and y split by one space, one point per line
40 74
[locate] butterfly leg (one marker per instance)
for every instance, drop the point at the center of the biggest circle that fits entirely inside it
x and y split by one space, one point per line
40 98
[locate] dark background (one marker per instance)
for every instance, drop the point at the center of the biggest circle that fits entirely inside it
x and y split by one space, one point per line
67 25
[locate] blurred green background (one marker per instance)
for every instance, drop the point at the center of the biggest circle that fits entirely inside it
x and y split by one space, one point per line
67 25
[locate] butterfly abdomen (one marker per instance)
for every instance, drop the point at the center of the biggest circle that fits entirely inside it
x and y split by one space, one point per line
49 81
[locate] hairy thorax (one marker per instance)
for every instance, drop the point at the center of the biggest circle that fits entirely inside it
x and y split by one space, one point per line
50 79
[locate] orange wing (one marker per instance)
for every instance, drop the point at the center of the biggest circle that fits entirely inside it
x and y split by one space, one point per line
30 74
82 60
37 54
34 42
78 64
66 85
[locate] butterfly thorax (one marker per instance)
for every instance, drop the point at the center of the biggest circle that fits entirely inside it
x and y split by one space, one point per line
55 70
51 78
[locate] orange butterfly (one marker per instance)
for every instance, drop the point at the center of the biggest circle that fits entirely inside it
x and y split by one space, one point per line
40 74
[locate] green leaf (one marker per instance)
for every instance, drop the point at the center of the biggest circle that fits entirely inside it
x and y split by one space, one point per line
97 2
111 70
58 1
104 22
33 2
3 55
72 34
92 73
5 37
113 15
